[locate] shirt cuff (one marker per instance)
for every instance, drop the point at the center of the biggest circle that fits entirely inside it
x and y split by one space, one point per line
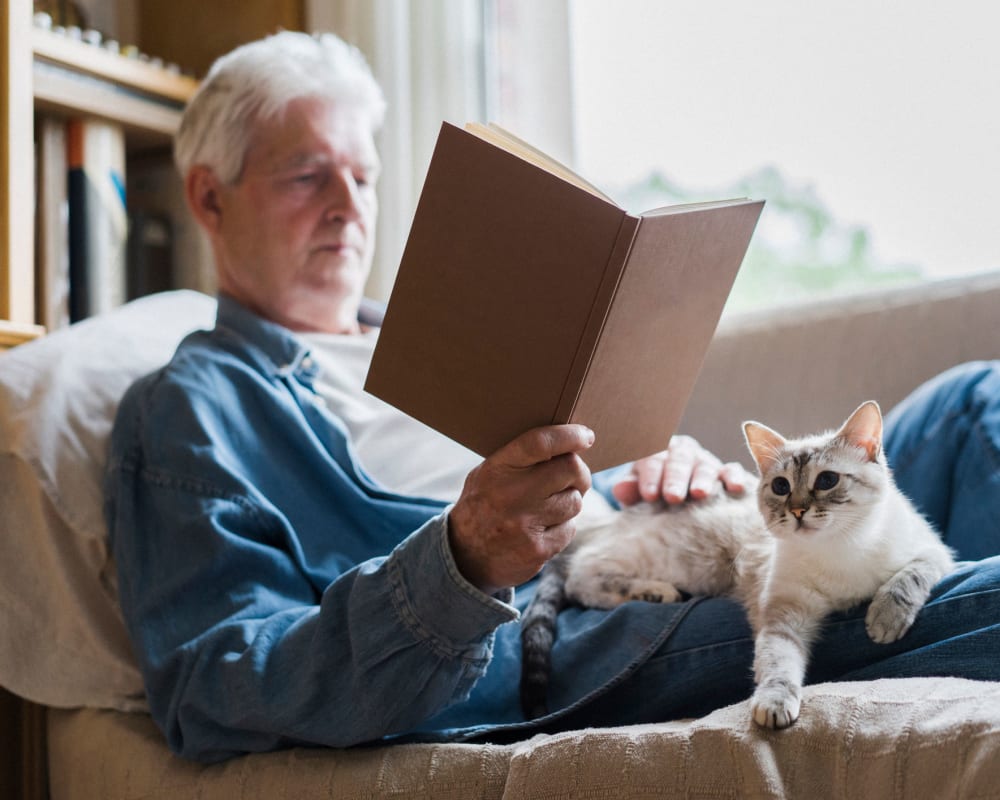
435 601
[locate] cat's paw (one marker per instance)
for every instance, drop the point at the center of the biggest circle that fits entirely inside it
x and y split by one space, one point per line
653 591
613 590
775 706
889 616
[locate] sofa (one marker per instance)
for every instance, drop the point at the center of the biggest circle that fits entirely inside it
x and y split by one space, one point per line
74 699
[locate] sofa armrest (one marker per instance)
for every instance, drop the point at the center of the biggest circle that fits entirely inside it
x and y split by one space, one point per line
804 369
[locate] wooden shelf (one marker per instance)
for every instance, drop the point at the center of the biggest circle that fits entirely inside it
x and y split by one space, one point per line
52 74
93 60
17 287
14 333
70 77
62 91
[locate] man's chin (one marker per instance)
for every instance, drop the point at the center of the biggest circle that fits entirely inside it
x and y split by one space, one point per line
330 308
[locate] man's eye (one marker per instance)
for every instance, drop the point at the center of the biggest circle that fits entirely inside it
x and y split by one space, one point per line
826 480
309 177
781 486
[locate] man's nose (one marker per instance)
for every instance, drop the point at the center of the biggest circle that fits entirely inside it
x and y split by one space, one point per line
343 197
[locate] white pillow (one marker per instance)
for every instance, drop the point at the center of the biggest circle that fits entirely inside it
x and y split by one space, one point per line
62 639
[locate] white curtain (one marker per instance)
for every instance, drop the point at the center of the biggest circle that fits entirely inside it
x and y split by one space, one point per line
427 55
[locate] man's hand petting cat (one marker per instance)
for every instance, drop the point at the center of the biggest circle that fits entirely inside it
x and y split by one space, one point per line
684 471
517 508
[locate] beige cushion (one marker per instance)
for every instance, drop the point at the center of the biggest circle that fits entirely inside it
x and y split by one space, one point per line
903 738
62 638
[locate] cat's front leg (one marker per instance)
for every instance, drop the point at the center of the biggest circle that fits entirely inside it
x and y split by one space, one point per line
781 651
897 602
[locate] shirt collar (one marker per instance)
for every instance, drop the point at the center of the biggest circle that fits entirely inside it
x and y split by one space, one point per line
282 348
285 352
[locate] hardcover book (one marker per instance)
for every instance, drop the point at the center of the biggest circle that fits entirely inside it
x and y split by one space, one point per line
526 297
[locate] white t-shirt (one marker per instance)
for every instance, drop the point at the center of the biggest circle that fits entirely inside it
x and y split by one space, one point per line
399 452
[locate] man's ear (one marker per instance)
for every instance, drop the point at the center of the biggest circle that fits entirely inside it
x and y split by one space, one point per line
203 191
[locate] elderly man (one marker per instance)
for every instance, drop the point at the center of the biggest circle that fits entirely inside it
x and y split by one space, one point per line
300 563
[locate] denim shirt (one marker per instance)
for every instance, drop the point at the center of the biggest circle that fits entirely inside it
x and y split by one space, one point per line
275 595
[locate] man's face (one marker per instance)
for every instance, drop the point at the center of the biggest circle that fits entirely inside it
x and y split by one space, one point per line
297 232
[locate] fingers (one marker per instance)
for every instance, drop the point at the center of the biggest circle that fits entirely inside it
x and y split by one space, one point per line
688 469
541 444
736 479
626 491
544 461
685 471
705 476
517 508
649 475
560 508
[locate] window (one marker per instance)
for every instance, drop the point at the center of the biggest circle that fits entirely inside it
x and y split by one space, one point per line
870 128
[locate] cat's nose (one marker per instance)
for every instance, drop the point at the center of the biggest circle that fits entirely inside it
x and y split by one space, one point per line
797 513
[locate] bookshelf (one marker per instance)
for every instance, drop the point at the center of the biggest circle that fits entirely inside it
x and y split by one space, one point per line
42 72
16 180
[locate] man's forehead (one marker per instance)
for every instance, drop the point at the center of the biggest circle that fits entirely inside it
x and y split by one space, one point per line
314 134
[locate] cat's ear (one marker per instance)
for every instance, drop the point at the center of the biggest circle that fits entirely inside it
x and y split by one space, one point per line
864 429
765 445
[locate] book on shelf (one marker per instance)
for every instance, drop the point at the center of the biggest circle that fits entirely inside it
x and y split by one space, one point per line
52 225
98 220
525 296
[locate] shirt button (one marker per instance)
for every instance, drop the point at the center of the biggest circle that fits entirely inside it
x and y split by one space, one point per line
308 363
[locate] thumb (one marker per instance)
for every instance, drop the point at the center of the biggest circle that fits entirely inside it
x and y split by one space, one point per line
545 443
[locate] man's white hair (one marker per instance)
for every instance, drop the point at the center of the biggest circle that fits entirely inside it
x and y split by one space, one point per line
257 81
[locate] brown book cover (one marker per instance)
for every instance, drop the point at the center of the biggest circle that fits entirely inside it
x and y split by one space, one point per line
525 297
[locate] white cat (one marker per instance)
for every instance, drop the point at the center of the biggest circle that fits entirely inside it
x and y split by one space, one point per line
827 530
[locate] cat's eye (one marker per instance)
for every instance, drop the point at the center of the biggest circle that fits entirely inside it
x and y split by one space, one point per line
780 486
826 480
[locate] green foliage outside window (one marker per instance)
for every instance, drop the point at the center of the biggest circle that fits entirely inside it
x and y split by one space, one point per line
799 251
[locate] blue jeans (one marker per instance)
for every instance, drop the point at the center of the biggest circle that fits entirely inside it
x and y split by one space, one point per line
943 443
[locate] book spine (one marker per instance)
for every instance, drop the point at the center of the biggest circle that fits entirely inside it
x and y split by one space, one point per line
577 373
52 252
98 222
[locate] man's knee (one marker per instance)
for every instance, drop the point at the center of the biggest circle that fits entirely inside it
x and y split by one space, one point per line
955 397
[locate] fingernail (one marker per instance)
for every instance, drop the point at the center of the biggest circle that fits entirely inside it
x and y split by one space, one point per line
673 494
591 436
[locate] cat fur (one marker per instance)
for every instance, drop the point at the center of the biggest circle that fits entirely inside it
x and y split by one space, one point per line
790 553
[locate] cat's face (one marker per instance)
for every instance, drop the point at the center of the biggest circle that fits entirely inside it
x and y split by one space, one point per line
823 484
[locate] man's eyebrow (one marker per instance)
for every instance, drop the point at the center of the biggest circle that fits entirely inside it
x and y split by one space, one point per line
299 160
